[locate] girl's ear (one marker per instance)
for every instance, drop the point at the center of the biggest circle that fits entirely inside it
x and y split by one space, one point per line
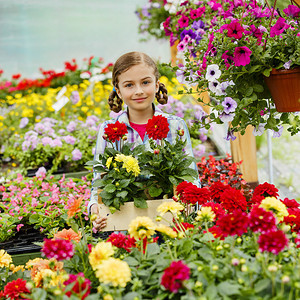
118 93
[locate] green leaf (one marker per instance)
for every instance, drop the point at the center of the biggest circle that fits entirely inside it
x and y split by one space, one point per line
98 183
258 88
267 72
124 183
122 194
140 203
132 262
110 188
228 288
129 296
153 249
262 285
155 191
249 91
173 180
34 218
91 163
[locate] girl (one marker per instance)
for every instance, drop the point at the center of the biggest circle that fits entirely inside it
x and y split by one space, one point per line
135 78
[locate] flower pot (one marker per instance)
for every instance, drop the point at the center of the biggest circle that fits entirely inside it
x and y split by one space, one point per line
120 219
284 86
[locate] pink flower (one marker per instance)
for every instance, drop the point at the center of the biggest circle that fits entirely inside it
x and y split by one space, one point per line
292 11
279 27
241 56
19 227
76 155
174 276
273 241
183 22
235 30
58 249
79 285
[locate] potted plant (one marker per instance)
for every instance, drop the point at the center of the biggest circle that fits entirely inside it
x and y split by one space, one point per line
240 44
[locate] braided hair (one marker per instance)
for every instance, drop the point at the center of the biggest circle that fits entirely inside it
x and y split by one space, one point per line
124 63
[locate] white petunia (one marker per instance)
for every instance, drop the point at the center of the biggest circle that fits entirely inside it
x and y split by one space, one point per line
213 72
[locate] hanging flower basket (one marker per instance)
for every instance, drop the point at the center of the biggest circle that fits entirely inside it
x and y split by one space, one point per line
284 86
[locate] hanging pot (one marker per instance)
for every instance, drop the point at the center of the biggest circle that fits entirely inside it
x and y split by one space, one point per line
284 86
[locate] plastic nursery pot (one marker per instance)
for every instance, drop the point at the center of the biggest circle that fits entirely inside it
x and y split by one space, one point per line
284 86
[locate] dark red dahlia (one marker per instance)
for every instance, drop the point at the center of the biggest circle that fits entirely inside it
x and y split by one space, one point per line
216 190
182 186
15 289
192 195
290 203
115 132
273 241
233 199
174 276
121 240
261 220
293 219
235 223
262 191
157 128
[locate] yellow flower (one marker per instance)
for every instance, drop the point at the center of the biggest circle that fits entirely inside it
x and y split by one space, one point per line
166 230
108 162
206 214
114 271
18 268
99 253
5 259
120 157
172 206
276 206
108 297
141 227
131 165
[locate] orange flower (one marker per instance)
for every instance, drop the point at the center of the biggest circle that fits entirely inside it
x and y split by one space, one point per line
68 234
74 207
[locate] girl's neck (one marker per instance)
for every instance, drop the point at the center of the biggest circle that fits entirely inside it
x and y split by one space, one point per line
140 117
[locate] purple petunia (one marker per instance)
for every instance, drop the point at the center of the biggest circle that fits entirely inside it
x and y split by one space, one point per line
229 105
230 136
226 117
292 11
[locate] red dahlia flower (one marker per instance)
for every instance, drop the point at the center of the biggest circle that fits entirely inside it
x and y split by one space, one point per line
58 249
115 132
80 285
157 128
235 223
216 208
262 191
182 186
174 276
232 199
290 203
14 289
121 240
261 220
216 190
273 241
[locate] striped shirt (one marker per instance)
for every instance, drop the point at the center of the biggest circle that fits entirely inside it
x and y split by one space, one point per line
175 124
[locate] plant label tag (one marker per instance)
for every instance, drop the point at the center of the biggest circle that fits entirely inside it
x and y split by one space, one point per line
60 103
61 92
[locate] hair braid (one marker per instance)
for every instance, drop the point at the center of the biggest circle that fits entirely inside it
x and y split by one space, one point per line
115 102
162 94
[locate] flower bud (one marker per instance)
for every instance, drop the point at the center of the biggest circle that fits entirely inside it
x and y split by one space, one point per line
29 285
117 183
285 228
238 240
240 281
235 261
156 151
180 235
124 137
272 268
226 246
112 209
285 279
181 132
198 284
244 268
215 268
121 256
218 248
104 136
57 292
242 260
200 268
108 297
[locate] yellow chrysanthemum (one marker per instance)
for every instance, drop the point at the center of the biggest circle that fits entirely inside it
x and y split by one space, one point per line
108 162
99 253
141 227
172 206
114 271
5 259
120 157
206 214
276 206
131 165
167 231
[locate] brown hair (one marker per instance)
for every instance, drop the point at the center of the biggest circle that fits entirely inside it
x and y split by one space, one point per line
124 63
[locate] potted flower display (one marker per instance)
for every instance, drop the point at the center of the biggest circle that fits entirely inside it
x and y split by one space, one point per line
232 49
132 177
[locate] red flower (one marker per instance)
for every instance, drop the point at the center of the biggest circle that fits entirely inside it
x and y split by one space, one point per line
293 219
157 128
115 132
80 285
216 232
262 191
233 199
121 240
16 76
15 289
273 241
216 190
70 67
217 209
233 223
182 186
297 241
58 249
290 203
174 276
261 220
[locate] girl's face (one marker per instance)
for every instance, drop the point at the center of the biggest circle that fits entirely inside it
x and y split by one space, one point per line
137 87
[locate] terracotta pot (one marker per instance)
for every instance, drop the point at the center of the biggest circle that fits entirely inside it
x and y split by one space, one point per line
284 86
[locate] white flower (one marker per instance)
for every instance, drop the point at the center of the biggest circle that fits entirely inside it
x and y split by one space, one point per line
226 117
260 130
278 133
214 86
213 72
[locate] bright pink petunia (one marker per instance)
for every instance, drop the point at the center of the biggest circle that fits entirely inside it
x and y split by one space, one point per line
183 22
279 27
292 11
235 30
241 56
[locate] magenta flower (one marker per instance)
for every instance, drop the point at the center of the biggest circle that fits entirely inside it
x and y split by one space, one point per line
235 30
241 56
292 11
183 22
273 241
58 249
279 27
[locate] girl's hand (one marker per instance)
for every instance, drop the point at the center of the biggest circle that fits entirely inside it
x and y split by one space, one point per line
98 222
